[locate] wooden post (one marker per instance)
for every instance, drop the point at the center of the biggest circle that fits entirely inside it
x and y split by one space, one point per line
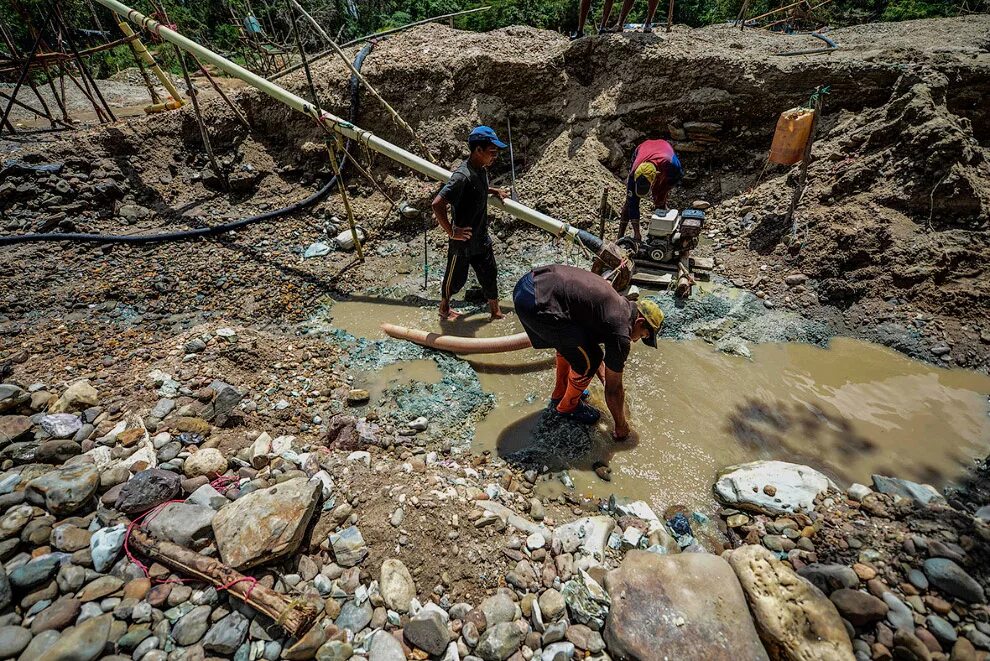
347 203
190 90
602 212
741 19
805 159
292 615
670 15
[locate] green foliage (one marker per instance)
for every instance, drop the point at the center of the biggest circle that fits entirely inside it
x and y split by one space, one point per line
217 23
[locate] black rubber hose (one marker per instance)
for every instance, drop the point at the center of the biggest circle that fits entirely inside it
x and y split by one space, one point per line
218 229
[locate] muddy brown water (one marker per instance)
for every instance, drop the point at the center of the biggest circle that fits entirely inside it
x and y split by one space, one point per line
851 410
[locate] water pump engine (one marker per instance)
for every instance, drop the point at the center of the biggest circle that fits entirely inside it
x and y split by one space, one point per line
670 234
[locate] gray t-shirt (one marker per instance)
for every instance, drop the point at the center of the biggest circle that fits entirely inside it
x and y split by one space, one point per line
467 193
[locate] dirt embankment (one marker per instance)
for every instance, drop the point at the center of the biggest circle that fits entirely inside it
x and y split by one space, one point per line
893 227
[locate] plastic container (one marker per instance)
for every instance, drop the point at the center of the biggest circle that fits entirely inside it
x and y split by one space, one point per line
791 136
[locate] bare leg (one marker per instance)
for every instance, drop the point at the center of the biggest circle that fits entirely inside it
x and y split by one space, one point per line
582 18
495 309
446 312
626 8
651 10
606 14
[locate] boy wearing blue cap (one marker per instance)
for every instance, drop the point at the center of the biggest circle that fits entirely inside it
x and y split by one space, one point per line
467 193
655 170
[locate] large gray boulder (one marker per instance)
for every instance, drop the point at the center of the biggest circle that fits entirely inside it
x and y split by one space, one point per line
689 605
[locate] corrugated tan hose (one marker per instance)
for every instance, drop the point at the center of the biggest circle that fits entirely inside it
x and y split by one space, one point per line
457 344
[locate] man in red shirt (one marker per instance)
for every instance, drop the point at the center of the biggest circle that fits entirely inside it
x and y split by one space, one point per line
655 169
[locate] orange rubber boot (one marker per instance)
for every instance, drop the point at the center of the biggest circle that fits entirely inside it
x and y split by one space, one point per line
560 386
576 385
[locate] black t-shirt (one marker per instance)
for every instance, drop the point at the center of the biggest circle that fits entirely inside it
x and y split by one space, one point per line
467 193
585 310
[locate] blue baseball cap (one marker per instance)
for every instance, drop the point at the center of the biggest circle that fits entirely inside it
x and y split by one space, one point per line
485 134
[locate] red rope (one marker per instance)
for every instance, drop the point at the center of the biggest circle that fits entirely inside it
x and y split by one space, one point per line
220 482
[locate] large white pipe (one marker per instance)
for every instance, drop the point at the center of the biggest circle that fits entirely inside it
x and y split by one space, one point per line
342 126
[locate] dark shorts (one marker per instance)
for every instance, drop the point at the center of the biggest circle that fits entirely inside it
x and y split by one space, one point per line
544 331
456 274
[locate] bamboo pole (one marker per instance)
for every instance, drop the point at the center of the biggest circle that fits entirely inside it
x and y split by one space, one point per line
143 53
357 74
347 203
345 128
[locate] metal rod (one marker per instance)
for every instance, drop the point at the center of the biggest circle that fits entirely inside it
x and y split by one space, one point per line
342 126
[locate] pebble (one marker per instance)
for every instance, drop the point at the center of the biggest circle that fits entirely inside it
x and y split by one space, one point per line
13 640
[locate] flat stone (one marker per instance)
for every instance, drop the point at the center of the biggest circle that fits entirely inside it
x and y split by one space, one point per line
793 617
192 626
428 632
64 490
829 577
58 616
941 629
104 586
39 644
796 487
14 428
183 524
147 489
57 451
667 602
348 547
899 614
858 607
34 573
207 496
226 635
949 577
396 585
61 425
921 494
267 524
13 640
589 535
84 642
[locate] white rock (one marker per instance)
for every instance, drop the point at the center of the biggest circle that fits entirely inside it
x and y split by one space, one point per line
859 491
796 487
535 541
363 456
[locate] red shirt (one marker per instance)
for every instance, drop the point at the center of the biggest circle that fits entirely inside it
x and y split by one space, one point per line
660 153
